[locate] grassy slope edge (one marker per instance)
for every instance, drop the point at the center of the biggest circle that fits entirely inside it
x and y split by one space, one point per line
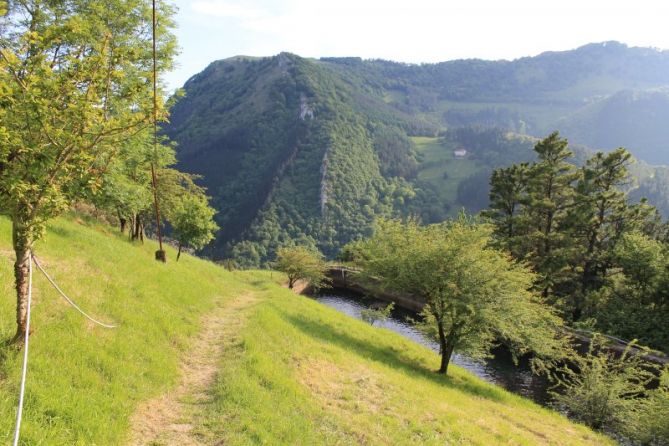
295 373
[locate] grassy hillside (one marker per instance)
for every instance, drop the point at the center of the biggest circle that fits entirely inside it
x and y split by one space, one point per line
291 370
442 169
84 381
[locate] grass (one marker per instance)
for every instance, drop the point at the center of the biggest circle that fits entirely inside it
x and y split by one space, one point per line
84 381
301 373
292 371
441 168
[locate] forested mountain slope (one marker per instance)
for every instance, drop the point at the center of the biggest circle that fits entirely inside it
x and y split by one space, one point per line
286 154
311 151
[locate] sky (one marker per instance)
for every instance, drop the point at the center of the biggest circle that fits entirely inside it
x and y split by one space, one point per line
414 31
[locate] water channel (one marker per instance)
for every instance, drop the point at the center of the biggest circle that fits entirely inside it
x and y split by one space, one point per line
499 370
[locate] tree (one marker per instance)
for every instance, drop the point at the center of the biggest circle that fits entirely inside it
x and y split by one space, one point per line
193 223
508 194
550 196
597 220
300 263
75 81
373 315
475 294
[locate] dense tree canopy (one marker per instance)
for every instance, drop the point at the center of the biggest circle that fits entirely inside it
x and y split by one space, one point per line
301 263
599 256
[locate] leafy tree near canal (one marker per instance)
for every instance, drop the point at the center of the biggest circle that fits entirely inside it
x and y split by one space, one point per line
476 295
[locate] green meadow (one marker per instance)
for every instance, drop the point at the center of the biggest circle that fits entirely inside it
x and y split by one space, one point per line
288 371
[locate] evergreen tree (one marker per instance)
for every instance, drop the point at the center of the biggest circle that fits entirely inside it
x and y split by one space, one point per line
549 199
508 195
600 216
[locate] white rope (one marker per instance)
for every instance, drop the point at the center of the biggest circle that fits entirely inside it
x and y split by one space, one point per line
102 324
24 371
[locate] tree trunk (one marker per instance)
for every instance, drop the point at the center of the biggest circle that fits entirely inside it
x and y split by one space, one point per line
179 252
131 226
22 243
446 347
138 229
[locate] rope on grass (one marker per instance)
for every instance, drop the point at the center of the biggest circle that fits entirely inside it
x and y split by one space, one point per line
70 301
24 371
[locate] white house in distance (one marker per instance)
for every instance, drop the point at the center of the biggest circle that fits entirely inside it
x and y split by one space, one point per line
460 153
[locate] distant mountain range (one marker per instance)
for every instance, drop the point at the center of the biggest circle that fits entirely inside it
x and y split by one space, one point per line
311 151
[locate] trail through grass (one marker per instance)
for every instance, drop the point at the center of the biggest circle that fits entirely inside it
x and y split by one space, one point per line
206 357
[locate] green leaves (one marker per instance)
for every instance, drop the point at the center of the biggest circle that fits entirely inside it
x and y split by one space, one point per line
474 293
75 76
300 263
193 222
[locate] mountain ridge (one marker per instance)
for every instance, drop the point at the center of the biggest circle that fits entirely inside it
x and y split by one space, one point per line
310 151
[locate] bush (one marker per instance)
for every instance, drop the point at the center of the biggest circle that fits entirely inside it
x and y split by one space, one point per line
651 424
603 389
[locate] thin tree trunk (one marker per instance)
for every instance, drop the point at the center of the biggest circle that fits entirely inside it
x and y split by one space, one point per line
138 229
131 227
22 248
179 252
446 347
122 220
446 357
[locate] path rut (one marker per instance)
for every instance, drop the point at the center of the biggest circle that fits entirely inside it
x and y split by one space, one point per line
171 419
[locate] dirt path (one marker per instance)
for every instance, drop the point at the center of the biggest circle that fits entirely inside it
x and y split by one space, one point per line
171 419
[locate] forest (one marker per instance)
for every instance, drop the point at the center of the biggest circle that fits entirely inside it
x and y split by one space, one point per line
296 150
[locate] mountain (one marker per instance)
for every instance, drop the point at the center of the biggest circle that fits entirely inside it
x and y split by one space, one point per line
311 151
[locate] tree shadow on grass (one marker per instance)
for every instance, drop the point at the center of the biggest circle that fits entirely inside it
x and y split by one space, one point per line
390 357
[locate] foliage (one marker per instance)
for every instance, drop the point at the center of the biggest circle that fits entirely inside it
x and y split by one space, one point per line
609 390
192 223
75 84
312 151
69 113
577 229
373 315
475 295
636 304
648 426
300 263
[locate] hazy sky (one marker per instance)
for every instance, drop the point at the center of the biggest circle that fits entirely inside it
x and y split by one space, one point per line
408 31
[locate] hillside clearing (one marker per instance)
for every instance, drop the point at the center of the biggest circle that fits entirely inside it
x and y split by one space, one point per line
441 168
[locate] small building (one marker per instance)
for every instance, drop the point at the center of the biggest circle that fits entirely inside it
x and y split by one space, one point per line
460 153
